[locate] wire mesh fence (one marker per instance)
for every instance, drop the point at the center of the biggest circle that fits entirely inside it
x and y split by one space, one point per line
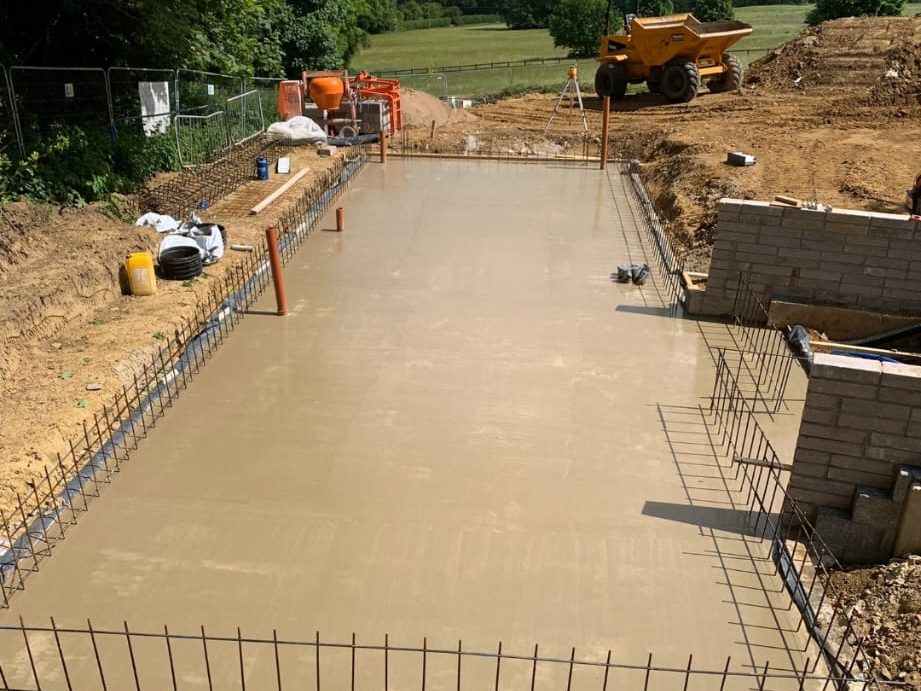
51 98
54 657
53 506
9 138
267 87
244 118
801 558
139 106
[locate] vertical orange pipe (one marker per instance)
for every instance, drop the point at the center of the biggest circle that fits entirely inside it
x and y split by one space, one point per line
340 219
383 144
605 125
281 299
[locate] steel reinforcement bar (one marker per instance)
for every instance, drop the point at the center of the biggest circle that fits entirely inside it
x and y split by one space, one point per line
801 558
45 514
46 658
668 259
772 360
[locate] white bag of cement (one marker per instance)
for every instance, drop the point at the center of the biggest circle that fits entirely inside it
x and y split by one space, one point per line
298 130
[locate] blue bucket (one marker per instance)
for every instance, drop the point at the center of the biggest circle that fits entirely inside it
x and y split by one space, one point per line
262 168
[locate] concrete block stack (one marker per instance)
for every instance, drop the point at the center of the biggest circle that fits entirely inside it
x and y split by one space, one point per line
857 455
856 259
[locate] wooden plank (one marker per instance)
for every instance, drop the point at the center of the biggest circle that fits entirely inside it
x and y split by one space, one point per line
280 191
827 346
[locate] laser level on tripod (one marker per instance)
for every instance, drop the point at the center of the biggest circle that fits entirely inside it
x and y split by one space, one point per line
571 87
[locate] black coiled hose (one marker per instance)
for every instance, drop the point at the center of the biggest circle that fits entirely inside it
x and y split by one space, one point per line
180 263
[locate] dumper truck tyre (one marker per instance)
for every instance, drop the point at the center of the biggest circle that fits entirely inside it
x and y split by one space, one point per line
680 81
611 80
731 79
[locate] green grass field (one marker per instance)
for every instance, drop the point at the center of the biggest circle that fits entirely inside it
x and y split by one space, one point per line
464 45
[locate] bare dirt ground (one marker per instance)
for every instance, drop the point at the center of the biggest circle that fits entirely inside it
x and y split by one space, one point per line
885 603
832 116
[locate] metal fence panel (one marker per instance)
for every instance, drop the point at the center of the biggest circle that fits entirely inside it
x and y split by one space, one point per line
268 95
244 117
47 97
143 100
203 93
10 141
201 138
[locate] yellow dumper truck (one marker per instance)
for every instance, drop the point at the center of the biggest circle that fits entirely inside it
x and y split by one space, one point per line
673 55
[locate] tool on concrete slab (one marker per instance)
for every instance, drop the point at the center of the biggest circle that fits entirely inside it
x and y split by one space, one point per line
738 158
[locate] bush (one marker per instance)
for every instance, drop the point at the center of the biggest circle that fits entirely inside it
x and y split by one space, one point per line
74 165
578 25
833 9
526 14
713 10
467 19
411 24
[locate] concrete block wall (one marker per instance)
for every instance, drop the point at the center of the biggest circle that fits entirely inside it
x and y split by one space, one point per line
857 259
860 431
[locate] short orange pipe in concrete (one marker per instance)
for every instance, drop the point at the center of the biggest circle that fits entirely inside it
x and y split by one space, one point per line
383 139
281 299
340 219
605 126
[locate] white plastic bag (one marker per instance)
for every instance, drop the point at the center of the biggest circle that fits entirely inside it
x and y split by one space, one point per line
298 130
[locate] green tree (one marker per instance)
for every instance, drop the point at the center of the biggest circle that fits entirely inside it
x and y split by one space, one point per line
654 8
378 16
832 9
713 10
578 25
526 14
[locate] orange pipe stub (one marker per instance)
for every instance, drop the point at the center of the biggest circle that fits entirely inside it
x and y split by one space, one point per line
340 219
281 297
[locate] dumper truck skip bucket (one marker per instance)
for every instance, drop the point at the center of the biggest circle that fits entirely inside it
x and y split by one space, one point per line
673 55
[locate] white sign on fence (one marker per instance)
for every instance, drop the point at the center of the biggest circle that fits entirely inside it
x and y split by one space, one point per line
68 90
211 89
155 107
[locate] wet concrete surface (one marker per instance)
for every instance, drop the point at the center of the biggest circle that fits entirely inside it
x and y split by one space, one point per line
464 430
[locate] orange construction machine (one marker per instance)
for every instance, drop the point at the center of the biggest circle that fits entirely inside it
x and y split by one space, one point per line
342 104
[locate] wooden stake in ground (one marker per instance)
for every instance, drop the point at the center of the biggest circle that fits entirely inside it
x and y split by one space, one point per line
280 191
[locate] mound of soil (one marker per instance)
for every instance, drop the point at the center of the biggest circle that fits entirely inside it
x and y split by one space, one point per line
421 109
885 603
879 57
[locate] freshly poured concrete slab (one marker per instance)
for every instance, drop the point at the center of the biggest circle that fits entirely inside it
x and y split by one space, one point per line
464 430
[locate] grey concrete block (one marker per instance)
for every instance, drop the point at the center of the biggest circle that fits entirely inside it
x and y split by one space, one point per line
821 400
862 422
889 411
820 275
841 257
857 477
803 495
882 453
823 242
812 457
833 447
847 228
902 396
873 504
895 441
761 221
799 254
896 265
860 289
867 465
901 376
842 389
806 469
832 488
821 416
833 432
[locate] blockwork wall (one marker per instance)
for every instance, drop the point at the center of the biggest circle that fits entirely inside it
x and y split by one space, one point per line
857 455
854 259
